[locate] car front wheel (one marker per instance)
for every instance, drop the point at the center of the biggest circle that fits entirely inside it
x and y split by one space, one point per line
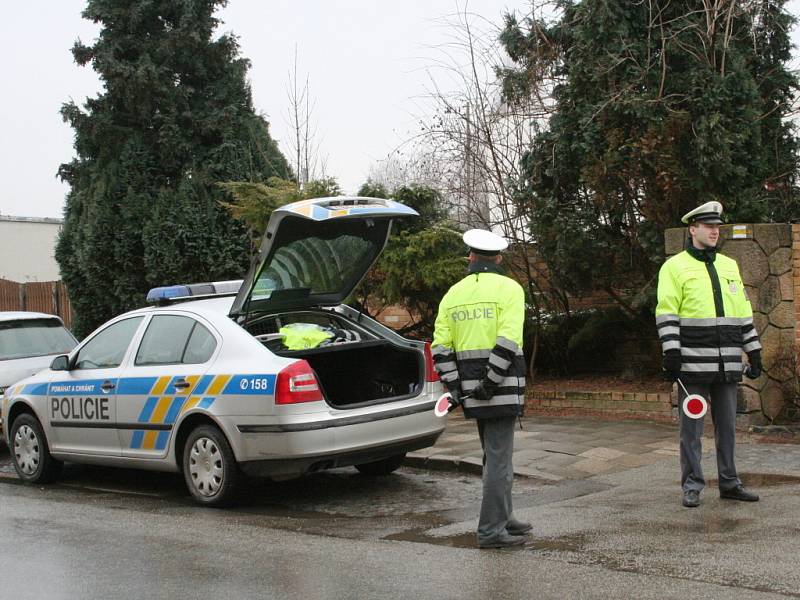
382 467
30 452
209 467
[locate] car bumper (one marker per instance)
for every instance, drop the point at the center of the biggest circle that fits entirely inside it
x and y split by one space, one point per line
310 464
300 446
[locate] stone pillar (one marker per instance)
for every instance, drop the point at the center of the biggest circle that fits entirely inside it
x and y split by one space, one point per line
769 260
796 275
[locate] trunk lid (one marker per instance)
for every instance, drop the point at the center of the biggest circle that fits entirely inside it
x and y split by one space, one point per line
315 252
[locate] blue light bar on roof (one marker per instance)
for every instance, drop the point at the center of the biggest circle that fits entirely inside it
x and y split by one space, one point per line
169 292
165 293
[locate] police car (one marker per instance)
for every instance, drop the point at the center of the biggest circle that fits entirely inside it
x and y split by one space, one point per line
272 376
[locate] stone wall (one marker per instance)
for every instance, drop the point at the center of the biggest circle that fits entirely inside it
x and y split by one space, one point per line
796 277
618 405
769 260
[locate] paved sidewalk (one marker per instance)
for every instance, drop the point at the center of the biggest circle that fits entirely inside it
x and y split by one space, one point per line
563 448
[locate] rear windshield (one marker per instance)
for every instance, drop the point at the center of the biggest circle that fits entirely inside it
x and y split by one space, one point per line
319 258
34 337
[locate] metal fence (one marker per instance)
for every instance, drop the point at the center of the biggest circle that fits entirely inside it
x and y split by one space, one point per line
39 296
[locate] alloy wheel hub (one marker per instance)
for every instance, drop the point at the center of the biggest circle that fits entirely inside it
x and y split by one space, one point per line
26 450
205 466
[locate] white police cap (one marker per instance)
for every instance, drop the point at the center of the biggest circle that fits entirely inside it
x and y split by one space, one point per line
710 212
484 242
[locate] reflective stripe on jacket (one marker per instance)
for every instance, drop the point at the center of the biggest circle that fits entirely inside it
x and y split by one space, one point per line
703 312
478 337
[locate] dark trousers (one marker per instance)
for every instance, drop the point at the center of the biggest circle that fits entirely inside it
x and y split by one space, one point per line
497 441
721 398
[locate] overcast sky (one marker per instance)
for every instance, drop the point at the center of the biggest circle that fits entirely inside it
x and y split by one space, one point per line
366 62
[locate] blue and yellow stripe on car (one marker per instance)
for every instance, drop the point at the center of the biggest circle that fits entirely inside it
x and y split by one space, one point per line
166 403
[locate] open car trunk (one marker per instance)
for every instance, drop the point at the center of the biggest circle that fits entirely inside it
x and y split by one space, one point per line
360 373
355 367
313 255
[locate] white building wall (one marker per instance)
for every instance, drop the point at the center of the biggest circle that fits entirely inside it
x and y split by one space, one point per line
27 248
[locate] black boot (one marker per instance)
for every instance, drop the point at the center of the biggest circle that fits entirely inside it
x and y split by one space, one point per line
515 527
691 498
503 541
738 493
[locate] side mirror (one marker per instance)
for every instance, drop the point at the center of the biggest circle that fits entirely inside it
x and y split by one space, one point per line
60 363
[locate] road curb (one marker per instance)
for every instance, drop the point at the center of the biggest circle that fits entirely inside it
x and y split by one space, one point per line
442 463
474 466
774 429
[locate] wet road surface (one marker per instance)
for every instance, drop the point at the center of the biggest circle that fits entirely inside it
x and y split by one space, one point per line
100 533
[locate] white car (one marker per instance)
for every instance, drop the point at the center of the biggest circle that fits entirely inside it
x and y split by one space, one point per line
28 343
277 379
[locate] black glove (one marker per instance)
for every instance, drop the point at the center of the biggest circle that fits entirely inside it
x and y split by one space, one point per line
671 362
484 391
455 397
454 402
754 372
454 389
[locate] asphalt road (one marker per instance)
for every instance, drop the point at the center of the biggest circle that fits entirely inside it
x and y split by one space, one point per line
104 533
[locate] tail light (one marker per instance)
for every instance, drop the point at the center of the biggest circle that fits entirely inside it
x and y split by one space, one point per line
297 383
430 370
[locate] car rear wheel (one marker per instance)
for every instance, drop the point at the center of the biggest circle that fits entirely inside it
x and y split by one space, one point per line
30 452
382 467
209 467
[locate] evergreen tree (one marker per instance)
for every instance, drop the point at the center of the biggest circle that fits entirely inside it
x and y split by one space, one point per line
253 203
373 190
175 118
658 107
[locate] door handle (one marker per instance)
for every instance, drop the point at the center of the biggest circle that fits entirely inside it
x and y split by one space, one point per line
181 384
107 386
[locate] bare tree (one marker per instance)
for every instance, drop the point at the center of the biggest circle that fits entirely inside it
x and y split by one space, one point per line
471 147
307 161
474 139
397 170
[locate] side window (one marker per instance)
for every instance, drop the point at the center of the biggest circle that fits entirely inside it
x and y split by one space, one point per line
165 340
107 349
200 347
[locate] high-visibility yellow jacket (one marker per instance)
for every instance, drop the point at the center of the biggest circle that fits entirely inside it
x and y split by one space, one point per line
300 336
703 313
478 339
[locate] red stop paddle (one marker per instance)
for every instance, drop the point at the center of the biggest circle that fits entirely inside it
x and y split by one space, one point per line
442 406
694 405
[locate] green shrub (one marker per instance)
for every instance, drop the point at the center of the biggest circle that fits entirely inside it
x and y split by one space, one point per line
596 341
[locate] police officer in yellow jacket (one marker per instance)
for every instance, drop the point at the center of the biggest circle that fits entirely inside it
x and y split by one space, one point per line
477 349
705 323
